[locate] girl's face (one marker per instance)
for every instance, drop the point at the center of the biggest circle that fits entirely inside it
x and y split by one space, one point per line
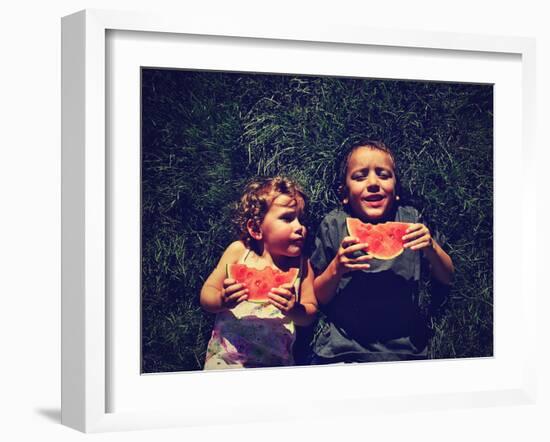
282 233
370 183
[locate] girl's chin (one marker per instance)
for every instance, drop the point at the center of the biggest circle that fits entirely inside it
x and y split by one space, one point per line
294 251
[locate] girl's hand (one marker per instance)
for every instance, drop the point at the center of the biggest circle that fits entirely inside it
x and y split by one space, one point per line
344 260
283 297
233 293
418 237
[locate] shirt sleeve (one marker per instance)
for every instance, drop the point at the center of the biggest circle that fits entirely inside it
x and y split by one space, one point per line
326 245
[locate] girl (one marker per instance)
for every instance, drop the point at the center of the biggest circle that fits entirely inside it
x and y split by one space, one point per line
248 334
371 306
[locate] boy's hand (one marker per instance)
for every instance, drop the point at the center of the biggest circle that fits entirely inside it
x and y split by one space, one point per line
345 262
233 293
283 298
418 237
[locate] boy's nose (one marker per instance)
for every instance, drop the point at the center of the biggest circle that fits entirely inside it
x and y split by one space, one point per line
372 183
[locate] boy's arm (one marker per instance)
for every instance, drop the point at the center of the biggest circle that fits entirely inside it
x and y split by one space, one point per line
441 264
419 238
211 292
326 283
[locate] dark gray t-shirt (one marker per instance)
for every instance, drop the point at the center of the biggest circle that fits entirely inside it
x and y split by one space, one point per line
374 314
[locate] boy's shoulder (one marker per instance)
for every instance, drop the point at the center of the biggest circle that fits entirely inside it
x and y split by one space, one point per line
335 215
407 214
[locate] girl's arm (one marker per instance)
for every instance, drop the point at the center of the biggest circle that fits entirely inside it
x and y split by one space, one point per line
304 312
212 293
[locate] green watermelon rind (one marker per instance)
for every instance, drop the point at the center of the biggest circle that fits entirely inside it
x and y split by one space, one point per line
369 252
262 301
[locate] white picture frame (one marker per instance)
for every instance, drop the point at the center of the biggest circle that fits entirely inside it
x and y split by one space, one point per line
87 358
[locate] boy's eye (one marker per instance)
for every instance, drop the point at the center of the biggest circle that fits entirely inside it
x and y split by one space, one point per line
384 173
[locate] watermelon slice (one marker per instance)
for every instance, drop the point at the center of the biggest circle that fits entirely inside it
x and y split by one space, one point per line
384 239
260 282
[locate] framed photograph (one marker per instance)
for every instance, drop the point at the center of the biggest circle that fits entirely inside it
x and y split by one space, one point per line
164 123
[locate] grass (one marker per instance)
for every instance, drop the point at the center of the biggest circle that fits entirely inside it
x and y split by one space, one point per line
204 134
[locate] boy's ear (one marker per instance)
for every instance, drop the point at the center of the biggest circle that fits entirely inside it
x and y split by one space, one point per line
342 193
253 230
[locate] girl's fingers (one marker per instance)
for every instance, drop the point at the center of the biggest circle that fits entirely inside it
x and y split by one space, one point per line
277 304
235 295
234 287
282 304
242 298
284 293
288 286
282 298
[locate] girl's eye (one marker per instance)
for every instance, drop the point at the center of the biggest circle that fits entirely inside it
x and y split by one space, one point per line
359 177
384 174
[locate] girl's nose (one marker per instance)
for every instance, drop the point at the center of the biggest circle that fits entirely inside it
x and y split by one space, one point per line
299 227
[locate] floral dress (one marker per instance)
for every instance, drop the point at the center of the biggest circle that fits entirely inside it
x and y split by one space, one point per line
251 335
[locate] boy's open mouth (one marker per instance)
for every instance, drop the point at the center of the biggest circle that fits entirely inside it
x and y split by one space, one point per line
371 198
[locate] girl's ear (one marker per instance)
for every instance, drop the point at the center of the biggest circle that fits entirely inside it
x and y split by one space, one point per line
253 230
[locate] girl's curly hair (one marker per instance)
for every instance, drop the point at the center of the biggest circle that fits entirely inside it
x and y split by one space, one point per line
256 201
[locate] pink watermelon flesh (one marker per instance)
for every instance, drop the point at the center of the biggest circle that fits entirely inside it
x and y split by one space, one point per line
384 239
260 282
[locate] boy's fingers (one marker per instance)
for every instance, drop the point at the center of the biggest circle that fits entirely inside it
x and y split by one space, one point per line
361 259
352 266
356 248
417 242
414 227
349 240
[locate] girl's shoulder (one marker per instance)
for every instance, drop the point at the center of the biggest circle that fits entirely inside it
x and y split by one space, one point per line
235 251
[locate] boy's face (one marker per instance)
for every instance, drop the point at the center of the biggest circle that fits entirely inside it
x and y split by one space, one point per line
370 183
282 232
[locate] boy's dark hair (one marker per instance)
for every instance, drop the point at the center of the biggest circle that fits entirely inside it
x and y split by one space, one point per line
256 200
346 154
